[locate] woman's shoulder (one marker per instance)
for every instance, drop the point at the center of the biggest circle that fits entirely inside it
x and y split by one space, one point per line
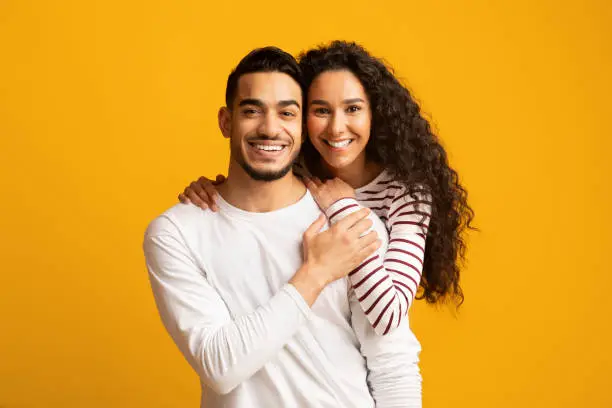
386 192
384 186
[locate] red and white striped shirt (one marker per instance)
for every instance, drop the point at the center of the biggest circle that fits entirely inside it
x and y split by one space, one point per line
386 287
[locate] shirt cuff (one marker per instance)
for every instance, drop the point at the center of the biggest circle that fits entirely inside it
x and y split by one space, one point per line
341 209
293 293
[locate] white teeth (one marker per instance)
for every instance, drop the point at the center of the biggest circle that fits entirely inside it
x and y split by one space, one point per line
269 148
343 143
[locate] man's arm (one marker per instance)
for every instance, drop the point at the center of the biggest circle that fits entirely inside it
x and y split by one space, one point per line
222 350
226 350
392 361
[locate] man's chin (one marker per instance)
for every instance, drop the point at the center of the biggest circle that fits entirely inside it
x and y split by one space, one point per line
266 174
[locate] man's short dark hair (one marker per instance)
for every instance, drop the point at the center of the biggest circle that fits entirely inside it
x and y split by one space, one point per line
266 59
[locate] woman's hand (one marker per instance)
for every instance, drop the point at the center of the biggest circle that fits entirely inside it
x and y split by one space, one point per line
202 193
328 192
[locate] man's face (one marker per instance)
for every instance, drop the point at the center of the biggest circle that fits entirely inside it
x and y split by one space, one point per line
264 124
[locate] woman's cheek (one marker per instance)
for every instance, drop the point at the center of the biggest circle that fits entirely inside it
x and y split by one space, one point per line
363 123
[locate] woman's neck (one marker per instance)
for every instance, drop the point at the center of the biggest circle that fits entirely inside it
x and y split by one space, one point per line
357 174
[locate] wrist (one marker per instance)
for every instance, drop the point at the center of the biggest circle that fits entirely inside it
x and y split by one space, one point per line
339 199
309 282
342 208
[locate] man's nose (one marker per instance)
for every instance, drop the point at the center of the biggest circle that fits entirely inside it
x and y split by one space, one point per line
270 126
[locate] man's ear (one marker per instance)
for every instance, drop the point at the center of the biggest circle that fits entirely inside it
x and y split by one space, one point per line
225 121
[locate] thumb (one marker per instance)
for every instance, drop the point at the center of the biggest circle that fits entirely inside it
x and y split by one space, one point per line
315 227
220 178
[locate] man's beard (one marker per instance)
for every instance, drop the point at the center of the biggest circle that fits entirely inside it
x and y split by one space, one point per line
265 175
260 175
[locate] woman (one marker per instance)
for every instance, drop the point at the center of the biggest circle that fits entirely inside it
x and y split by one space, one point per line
368 140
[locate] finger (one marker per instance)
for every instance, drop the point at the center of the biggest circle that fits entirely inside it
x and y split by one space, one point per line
315 227
309 183
361 227
196 187
220 179
203 180
351 219
368 239
212 195
195 198
183 199
203 194
317 181
369 250
338 181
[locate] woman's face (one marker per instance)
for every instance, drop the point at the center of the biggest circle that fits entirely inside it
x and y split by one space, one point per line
339 118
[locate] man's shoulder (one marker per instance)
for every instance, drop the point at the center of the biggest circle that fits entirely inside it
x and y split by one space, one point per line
176 219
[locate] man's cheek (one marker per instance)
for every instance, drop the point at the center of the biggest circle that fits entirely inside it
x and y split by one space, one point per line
295 130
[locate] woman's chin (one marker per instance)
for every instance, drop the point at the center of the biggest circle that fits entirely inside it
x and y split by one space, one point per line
338 164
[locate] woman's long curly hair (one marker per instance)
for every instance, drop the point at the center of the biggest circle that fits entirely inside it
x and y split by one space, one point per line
403 142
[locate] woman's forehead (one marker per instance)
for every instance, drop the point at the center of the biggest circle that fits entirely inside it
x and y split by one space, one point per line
336 86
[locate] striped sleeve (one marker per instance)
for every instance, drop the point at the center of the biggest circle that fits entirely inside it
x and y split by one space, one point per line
386 287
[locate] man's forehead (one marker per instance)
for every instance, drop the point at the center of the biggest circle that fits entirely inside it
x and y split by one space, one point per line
268 86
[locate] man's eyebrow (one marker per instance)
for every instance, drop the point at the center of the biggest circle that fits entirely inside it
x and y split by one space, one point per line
318 102
251 101
288 102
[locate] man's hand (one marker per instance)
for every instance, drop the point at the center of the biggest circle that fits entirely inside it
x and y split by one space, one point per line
334 253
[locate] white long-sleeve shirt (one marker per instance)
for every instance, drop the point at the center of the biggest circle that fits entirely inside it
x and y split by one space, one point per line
220 284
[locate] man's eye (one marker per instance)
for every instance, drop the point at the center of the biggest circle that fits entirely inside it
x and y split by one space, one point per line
353 108
288 114
250 112
321 111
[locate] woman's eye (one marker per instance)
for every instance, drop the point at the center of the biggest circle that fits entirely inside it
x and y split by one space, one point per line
353 109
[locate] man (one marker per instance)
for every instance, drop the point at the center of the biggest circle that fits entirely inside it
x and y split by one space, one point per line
254 295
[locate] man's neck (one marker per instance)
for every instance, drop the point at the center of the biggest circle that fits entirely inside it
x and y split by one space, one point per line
241 191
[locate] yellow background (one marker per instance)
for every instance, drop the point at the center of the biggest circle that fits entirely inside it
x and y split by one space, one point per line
108 108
